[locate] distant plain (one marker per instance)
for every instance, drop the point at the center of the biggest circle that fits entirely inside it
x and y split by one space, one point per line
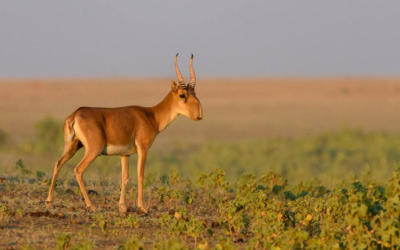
234 109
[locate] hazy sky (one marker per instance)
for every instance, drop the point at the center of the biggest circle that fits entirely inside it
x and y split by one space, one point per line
228 38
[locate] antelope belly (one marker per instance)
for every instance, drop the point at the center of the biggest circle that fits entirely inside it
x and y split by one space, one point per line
118 150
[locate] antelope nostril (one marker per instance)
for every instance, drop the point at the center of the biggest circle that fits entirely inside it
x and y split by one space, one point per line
199 118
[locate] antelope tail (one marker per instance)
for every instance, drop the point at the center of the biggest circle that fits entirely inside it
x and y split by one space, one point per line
69 132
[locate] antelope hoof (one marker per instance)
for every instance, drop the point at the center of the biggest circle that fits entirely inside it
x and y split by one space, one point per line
143 210
122 208
92 208
48 203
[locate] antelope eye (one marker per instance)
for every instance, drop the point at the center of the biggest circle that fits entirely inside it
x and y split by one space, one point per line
182 96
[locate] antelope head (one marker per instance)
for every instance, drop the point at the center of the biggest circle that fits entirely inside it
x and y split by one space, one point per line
185 101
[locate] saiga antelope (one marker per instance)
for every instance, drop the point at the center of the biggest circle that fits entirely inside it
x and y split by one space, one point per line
124 131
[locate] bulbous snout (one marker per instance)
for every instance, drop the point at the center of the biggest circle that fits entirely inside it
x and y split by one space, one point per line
193 109
199 116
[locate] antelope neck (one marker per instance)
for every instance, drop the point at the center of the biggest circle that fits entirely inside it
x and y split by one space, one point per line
164 112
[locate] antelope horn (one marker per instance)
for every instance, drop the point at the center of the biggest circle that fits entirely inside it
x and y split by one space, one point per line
192 74
178 72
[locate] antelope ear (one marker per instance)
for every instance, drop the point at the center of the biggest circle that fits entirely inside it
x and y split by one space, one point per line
174 87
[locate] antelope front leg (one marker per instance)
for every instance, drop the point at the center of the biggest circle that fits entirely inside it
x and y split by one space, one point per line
125 178
142 154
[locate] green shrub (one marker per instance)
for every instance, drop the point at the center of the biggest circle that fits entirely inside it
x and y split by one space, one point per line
172 244
130 221
48 136
132 243
330 157
4 138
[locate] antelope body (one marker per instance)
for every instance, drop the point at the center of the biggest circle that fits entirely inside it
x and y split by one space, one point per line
124 131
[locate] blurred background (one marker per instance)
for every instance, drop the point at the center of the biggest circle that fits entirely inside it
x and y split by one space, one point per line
309 90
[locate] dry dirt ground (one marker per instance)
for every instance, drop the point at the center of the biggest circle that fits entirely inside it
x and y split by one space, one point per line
234 109
27 223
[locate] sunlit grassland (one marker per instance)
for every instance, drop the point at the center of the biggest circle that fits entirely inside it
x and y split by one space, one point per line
329 158
256 212
271 167
335 190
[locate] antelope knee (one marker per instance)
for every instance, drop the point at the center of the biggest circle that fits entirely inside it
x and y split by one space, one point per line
77 172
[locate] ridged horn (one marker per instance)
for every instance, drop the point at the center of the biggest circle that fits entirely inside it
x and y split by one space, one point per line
192 74
178 72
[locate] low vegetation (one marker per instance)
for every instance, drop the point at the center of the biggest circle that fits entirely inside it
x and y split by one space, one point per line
264 212
3 138
330 157
337 190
